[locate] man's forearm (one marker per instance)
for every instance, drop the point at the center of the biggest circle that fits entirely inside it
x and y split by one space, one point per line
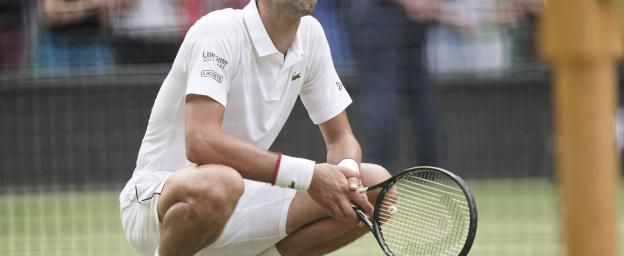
344 147
222 148
339 140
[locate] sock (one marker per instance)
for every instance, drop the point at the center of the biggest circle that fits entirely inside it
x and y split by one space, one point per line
270 252
156 254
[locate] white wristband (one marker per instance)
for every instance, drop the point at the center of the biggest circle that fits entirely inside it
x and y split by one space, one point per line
350 163
293 172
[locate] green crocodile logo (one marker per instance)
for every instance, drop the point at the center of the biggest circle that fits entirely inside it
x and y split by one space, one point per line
296 76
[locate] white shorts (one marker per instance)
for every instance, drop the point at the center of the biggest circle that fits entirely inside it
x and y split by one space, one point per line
258 221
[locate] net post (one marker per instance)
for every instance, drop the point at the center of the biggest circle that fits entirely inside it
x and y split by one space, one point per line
582 42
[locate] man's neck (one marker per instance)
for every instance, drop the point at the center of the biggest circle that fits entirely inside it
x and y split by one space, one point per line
281 26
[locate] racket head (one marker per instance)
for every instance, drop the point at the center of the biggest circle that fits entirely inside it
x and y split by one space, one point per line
425 210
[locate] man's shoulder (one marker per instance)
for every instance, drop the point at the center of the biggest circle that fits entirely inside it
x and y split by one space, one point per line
311 25
312 35
311 31
226 20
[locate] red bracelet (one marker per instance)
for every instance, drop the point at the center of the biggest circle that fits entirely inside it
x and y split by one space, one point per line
277 166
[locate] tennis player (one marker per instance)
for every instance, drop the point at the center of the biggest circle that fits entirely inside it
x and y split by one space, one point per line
205 182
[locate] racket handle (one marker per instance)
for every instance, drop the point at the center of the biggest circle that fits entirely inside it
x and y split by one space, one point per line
363 216
363 190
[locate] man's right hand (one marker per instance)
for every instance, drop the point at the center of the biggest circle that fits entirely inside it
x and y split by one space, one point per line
331 190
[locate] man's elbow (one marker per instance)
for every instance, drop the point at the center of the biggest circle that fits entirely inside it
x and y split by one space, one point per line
198 150
192 154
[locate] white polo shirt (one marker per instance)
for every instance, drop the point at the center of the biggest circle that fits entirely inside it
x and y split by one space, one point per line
228 56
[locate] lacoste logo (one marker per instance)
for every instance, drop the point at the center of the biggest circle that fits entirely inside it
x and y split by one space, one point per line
296 76
212 74
292 184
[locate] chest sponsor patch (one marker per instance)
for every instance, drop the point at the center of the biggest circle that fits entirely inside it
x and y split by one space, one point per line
212 74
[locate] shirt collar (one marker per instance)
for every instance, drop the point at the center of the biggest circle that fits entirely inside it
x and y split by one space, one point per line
259 36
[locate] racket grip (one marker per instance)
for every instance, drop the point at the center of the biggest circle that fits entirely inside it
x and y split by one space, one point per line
362 190
362 216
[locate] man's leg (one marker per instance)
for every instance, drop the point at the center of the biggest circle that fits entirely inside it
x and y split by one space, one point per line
311 230
194 206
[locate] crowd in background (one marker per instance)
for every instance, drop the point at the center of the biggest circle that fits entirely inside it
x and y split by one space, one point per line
462 36
64 35
394 47
399 45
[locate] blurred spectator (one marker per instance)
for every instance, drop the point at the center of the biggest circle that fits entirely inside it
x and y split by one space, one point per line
149 31
239 4
195 9
212 5
390 42
521 18
483 45
328 13
12 33
73 34
389 49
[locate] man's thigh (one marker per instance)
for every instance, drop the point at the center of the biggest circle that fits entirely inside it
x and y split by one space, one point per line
258 222
138 211
148 195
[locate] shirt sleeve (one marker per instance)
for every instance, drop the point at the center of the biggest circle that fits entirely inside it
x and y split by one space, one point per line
323 94
209 62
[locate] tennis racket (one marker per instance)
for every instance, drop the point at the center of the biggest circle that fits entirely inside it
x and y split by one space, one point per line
423 211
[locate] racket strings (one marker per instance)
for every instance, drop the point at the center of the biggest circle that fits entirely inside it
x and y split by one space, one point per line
425 214
428 233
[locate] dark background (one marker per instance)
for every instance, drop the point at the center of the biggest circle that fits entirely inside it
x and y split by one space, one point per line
86 129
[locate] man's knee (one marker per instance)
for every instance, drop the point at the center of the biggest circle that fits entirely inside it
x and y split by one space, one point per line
216 185
210 192
372 174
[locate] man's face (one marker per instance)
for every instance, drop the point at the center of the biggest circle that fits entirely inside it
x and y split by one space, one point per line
299 7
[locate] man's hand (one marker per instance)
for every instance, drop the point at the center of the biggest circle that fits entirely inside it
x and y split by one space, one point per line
332 191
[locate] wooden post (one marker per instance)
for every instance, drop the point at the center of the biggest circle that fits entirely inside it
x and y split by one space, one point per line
581 41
